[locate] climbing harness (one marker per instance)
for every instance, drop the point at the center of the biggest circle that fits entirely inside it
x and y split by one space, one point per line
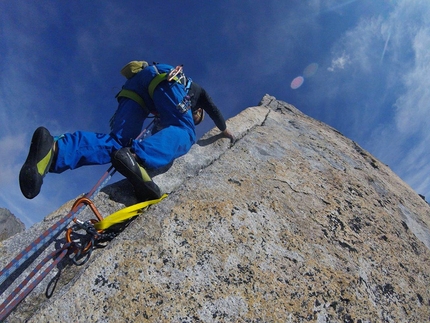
97 231
177 75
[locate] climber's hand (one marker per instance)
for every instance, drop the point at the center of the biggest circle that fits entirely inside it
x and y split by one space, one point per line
226 133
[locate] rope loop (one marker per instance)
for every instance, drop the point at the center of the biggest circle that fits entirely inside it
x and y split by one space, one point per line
81 257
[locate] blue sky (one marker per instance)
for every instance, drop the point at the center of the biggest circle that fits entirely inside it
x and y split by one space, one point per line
364 64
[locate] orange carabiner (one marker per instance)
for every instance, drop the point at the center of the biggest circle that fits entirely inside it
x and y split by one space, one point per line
87 201
69 238
78 202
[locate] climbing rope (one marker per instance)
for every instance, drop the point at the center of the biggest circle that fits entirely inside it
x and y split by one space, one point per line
22 290
101 230
97 231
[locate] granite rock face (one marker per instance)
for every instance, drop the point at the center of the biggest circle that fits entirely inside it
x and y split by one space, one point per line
9 224
292 223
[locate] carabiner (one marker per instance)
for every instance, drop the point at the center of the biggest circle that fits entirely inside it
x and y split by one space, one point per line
87 201
82 250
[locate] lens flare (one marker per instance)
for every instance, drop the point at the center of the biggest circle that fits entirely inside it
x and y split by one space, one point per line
297 82
310 70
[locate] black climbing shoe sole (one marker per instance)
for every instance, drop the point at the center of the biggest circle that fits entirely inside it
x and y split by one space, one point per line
37 164
125 163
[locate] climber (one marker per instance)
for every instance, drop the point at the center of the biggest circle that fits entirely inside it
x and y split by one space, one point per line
179 105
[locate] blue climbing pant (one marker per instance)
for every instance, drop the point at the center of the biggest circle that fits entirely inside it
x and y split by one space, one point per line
175 138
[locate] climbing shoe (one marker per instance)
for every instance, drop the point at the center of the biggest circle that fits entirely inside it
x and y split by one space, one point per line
126 163
37 164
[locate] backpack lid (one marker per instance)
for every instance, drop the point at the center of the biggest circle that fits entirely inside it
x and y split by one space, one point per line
132 68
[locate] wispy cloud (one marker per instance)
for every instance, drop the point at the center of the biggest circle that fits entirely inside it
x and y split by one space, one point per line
333 5
386 45
73 53
377 83
29 96
413 109
10 160
339 62
405 37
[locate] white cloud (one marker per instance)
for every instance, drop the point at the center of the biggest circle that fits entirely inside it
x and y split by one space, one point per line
363 45
386 60
335 5
12 145
339 62
413 108
408 139
414 165
259 45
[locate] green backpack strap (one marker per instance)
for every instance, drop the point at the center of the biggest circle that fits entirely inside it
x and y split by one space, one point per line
136 66
154 83
133 96
157 80
160 77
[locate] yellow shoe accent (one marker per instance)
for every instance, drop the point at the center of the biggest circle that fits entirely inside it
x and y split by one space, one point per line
43 165
145 175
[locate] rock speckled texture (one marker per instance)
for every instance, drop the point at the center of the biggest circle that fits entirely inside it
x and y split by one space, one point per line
9 224
293 223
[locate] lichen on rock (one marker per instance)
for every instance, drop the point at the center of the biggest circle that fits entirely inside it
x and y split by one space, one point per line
292 223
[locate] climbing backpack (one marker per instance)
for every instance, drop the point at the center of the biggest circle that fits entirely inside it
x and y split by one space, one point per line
132 68
166 73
